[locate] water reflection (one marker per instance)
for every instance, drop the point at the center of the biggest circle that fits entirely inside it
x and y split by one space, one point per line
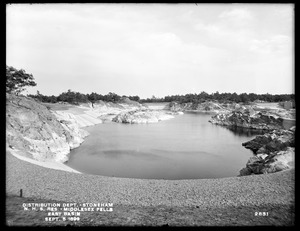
170 152
186 147
132 153
245 132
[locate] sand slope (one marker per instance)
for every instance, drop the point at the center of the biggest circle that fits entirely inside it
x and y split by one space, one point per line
46 183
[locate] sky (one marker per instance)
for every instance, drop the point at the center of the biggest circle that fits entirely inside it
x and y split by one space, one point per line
153 49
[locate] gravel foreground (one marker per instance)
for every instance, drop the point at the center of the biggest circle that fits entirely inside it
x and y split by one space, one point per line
229 201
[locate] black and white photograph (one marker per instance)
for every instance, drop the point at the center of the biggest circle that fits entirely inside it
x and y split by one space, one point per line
150 114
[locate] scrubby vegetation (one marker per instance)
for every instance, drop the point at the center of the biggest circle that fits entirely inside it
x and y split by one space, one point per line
76 97
222 97
73 97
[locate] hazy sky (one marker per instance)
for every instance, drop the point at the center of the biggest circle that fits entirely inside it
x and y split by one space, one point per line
153 49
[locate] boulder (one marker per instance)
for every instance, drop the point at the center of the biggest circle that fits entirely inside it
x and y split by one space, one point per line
257 143
262 156
245 172
261 150
281 161
255 164
271 142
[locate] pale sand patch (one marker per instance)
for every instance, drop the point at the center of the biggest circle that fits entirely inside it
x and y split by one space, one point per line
83 119
273 106
52 165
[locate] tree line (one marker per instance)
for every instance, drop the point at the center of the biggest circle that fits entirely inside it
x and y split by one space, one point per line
222 98
77 97
17 80
73 97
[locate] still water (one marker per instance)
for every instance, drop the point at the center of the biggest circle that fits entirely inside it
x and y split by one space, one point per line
186 147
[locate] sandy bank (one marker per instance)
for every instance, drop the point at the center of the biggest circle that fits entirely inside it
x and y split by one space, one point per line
46 183
52 165
83 119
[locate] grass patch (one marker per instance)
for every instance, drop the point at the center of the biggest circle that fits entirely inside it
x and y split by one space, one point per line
129 215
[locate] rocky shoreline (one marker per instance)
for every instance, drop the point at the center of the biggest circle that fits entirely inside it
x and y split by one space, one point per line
48 135
273 152
209 107
247 119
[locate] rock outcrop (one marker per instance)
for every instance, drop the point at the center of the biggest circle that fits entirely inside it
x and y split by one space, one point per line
248 118
273 152
36 131
143 116
207 106
106 111
125 101
272 141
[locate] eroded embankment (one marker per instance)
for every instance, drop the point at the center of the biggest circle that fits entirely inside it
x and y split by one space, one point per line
36 131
